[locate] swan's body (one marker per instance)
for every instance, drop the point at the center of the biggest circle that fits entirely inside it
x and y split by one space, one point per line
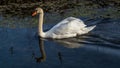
69 27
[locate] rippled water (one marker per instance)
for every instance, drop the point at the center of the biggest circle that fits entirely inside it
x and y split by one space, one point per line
22 48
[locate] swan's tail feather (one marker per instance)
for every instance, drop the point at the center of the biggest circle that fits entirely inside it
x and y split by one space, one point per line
88 29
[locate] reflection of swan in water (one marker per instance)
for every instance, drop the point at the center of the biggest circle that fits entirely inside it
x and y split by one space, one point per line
92 42
69 27
71 42
43 54
76 43
42 51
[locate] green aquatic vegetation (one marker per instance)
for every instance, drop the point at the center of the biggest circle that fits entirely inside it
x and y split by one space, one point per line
19 15
109 13
81 12
85 11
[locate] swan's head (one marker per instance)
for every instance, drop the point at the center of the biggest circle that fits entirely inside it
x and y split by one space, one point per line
37 11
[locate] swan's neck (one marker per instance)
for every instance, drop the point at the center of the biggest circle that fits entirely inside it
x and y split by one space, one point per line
40 26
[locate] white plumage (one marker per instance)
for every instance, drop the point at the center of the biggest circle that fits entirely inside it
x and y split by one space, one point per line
69 27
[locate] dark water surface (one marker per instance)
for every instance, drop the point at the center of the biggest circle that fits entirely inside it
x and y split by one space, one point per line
21 47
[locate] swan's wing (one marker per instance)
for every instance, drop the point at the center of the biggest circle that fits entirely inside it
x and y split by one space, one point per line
61 29
69 20
69 25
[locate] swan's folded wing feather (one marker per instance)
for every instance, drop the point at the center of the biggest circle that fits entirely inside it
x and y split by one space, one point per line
61 29
69 25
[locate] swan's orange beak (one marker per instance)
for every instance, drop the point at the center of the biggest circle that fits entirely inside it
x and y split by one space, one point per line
34 13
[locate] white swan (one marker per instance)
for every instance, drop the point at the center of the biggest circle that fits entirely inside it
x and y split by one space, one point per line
69 27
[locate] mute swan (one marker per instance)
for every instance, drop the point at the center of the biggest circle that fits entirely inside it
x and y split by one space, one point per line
69 27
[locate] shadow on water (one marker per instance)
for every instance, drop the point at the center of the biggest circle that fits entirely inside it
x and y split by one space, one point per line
21 47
